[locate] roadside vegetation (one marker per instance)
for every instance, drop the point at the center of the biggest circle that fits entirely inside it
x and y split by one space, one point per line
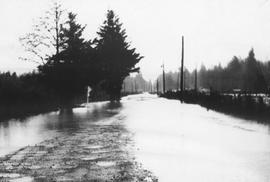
67 64
241 88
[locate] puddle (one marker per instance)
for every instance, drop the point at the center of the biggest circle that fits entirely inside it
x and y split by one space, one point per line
101 151
90 158
23 179
34 167
14 177
106 163
9 175
94 147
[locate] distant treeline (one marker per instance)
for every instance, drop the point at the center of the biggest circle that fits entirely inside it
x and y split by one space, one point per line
248 75
16 89
24 95
137 84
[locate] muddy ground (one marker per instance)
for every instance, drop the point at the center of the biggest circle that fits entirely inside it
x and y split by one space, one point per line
99 152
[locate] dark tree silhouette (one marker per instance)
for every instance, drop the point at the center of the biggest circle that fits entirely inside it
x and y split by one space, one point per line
63 72
117 59
253 78
73 43
233 74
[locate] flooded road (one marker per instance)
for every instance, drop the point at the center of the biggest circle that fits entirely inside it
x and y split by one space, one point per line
181 142
176 142
18 133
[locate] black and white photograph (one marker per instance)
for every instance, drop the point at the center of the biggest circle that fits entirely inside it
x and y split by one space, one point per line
135 91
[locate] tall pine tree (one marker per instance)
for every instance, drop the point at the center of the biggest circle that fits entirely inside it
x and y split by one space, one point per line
254 80
64 71
117 59
73 43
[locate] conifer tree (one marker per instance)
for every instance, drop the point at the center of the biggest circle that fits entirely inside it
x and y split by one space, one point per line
73 43
254 79
117 59
63 72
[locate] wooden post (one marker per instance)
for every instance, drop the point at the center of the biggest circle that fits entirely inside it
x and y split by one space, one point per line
88 94
195 87
178 80
182 67
150 86
182 72
164 84
157 86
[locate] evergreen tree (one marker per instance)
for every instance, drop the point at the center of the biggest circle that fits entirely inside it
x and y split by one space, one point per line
117 59
233 74
253 78
64 72
73 43
203 77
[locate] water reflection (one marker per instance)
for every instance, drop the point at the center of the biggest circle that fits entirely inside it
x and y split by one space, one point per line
15 134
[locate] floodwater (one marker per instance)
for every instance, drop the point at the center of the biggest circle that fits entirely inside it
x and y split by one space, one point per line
177 142
15 134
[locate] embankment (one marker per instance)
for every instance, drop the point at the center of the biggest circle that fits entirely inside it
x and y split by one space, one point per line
248 106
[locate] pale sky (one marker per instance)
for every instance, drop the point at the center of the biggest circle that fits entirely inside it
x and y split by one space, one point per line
214 30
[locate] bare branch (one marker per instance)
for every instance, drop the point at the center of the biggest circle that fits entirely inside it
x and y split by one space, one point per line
45 35
30 60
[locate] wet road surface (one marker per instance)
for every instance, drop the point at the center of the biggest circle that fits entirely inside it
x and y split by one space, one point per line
142 139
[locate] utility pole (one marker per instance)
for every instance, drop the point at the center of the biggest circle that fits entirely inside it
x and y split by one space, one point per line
182 67
150 86
178 80
164 86
195 87
157 86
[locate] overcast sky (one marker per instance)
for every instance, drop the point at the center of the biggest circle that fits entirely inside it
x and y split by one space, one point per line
214 30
